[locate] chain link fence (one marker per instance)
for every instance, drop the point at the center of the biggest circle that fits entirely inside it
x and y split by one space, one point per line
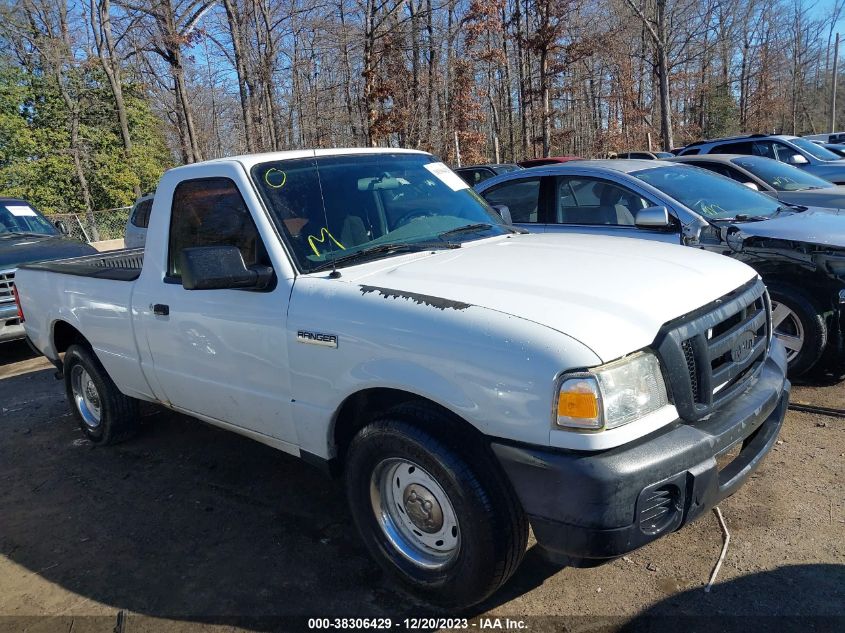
109 224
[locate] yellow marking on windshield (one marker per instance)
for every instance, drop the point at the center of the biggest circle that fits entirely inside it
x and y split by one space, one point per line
324 233
276 185
712 210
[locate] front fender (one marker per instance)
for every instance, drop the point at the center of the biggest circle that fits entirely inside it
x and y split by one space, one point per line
494 370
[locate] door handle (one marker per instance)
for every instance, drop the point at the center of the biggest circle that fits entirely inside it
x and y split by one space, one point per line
160 309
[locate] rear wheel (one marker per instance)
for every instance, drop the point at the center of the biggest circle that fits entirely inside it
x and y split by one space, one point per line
443 519
800 325
104 414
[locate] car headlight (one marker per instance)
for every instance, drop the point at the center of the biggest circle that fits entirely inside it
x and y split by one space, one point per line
611 395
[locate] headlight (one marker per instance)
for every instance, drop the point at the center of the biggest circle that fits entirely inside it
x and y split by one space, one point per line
611 395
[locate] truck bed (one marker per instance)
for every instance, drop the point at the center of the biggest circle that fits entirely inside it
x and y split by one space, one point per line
121 265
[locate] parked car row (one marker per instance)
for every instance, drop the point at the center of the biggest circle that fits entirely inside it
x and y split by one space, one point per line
367 311
793 150
798 250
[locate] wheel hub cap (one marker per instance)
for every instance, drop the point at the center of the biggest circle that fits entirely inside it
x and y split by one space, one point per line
86 397
788 329
415 514
423 509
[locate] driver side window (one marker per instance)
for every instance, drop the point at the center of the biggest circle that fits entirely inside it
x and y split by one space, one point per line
521 197
580 200
211 212
775 150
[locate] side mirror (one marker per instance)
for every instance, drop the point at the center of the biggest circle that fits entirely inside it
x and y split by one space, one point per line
220 267
652 218
62 227
752 185
797 159
504 212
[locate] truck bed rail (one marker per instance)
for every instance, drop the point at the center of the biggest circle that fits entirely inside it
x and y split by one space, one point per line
121 265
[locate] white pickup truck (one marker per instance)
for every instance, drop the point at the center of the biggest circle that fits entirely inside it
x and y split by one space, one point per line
363 309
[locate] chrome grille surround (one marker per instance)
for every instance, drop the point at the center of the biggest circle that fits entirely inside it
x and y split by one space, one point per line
7 282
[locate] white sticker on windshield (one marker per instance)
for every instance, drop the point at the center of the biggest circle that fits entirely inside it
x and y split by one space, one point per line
20 210
447 176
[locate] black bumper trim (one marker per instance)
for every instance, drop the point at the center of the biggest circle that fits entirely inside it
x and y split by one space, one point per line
587 506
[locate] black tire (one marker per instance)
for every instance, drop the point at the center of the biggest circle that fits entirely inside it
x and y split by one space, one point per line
493 529
118 414
813 322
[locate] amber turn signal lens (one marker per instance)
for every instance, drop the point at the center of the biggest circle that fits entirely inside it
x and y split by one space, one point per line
577 405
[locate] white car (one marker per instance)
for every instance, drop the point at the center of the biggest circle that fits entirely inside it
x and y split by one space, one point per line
138 221
364 310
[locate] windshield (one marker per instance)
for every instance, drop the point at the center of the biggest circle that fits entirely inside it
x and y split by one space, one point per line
18 217
714 197
371 200
781 176
814 150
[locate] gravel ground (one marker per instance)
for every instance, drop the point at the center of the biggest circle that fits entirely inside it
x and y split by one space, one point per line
191 528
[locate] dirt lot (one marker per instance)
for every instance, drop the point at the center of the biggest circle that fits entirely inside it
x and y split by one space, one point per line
188 528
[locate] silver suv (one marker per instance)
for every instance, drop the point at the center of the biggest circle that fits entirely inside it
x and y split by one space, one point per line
136 225
792 150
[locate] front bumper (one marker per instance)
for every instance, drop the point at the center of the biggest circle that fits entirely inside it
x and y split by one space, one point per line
587 507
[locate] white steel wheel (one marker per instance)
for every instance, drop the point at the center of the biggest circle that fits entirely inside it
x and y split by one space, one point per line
415 514
788 329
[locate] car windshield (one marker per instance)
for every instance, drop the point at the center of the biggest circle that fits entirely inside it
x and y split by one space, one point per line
18 217
381 203
779 175
714 197
814 150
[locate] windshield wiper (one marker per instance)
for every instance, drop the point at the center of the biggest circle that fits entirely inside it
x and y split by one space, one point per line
23 234
468 228
743 217
384 249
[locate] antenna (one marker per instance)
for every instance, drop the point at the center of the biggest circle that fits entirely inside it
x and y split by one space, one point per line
335 273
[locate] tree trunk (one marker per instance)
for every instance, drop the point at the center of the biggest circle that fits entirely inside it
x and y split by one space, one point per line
369 72
663 73
234 19
107 54
544 91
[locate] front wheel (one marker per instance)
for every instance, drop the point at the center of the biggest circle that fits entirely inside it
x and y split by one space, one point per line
800 325
442 519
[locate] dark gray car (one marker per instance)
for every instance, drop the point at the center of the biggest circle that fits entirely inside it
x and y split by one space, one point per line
779 180
26 236
799 252
474 174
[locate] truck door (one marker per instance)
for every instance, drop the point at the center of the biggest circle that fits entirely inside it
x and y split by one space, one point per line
220 354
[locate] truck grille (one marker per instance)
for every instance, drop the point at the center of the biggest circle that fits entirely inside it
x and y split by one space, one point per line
712 354
7 281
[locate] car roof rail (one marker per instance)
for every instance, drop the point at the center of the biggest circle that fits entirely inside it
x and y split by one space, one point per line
738 137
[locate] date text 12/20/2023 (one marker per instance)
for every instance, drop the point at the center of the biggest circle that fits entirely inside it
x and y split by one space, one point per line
411 624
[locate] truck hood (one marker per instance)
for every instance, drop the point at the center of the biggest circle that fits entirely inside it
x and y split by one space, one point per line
612 294
17 250
824 227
